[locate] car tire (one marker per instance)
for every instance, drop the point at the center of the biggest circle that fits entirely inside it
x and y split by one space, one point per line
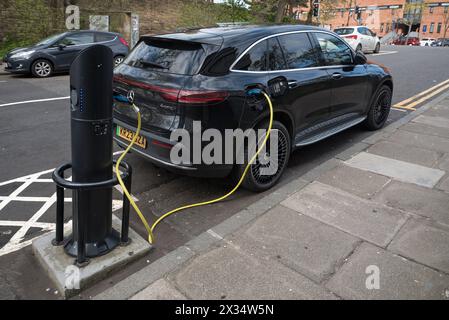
380 109
118 60
359 47
253 180
377 49
42 68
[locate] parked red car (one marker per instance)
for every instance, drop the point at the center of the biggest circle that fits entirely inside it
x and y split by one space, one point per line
411 41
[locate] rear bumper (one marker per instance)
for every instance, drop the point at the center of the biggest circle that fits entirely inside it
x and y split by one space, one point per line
160 156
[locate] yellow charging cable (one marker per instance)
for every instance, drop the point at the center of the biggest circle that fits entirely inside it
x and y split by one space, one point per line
149 229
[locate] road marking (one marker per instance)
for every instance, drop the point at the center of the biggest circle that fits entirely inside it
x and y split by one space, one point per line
404 102
32 101
427 97
382 53
397 107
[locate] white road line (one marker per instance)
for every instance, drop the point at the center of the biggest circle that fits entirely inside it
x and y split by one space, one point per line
25 178
382 53
31 199
43 225
32 101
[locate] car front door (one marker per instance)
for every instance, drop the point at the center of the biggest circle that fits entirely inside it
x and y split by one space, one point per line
349 81
293 57
65 50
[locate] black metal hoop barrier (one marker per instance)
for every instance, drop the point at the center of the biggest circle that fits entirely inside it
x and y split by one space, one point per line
61 184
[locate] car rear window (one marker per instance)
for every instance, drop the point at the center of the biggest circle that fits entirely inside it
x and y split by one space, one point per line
344 31
102 37
166 55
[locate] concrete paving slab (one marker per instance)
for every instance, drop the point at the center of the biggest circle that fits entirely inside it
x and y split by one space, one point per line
433 121
424 157
362 218
438 110
425 129
421 201
423 243
56 262
359 182
444 185
425 141
399 278
214 276
160 290
443 164
399 170
138 281
297 241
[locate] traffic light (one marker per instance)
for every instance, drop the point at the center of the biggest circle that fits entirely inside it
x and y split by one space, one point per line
316 8
358 12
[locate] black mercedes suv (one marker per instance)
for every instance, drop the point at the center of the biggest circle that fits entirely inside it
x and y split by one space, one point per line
204 75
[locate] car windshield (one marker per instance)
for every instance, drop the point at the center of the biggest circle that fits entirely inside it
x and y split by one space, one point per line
344 31
49 39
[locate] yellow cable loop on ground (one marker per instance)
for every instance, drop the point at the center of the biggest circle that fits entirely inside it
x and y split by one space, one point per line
142 217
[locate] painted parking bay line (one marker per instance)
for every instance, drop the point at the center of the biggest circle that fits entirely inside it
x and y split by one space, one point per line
399 170
33 101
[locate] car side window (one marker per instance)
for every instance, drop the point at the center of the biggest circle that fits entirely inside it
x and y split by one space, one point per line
255 59
276 59
102 37
298 51
362 30
77 39
334 50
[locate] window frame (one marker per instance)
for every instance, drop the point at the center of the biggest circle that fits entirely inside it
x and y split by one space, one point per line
310 34
114 37
323 57
313 46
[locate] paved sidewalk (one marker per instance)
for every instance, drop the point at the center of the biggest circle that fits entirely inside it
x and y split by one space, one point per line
378 211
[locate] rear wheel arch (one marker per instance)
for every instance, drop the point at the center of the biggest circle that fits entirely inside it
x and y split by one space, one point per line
283 118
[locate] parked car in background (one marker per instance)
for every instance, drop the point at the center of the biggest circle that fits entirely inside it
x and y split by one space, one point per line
426 42
441 43
56 53
360 38
411 40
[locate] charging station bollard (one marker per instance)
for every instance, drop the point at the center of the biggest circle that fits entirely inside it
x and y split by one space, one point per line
92 175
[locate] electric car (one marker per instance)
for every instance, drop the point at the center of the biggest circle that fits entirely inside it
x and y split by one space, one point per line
205 75
56 53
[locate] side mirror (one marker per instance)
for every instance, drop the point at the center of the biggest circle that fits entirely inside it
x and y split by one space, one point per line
61 46
360 58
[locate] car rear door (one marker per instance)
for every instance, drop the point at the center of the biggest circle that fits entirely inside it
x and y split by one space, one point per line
308 99
349 81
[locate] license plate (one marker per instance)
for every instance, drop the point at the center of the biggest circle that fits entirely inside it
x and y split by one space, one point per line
129 136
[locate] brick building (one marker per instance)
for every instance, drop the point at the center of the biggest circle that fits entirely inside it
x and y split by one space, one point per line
428 17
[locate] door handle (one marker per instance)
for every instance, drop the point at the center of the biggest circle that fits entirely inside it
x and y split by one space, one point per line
337 76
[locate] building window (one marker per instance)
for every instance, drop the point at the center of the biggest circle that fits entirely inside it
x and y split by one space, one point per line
388 28
432 27
430 9
342 13
439 27
445 8
382 27
424 28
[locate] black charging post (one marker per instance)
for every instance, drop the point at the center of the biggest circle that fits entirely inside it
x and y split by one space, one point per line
92 160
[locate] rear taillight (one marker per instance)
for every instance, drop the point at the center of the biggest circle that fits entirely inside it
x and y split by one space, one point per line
123 41
201 97
354 37
181 96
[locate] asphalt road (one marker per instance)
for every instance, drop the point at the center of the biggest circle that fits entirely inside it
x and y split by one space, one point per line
35 137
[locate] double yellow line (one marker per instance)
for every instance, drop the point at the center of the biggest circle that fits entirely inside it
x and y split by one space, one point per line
412 102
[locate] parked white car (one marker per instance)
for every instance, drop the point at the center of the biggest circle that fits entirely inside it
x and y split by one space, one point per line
360 38
426 42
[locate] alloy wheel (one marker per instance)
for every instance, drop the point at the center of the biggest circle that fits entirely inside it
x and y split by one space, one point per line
281 159
382 107
42 69
118 60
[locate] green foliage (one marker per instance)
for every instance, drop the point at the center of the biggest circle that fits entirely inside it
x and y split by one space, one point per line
8 45
201 13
